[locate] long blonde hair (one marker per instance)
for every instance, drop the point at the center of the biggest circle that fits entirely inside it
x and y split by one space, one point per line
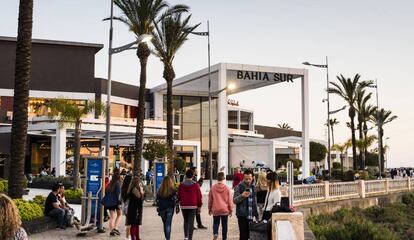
9 218
261 181
166 188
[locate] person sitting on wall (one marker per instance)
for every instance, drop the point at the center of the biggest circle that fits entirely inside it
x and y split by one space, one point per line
53 208
69 211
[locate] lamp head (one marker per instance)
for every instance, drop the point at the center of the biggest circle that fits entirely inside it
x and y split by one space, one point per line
231 86
306 63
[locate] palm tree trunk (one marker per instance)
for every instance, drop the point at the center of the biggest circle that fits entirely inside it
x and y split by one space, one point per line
169 76
76 159
332 131
21 98
143 53
354 154
361 138
381 149
365 140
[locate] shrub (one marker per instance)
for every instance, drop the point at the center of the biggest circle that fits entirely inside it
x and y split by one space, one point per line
348 176
336 165
363 175
28 210
408 198
336 174
317 151
73 194
4 185
47 182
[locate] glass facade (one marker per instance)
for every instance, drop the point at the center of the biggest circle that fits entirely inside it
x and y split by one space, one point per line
191 114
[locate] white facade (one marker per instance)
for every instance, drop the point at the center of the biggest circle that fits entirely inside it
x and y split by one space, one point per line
244 77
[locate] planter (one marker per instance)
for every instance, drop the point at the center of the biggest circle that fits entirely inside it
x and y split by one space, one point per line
39 225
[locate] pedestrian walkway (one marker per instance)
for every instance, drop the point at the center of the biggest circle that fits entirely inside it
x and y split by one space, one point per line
152 228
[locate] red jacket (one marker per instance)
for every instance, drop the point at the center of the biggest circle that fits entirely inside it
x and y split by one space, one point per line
237 178
189 194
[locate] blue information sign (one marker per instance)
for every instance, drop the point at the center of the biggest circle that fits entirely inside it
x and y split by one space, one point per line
159 174
93 183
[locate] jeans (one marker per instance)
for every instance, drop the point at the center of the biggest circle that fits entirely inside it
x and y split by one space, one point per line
198 218
216 224
59 215
244 227
188 215
167 216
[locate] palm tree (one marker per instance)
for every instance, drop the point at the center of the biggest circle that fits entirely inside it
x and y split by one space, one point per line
70 113
360 104
285 126
342 149
347 89
366 112
332 123
170 34
139 16
22 77
380 118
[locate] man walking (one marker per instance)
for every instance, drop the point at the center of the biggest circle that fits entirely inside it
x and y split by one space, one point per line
246 206
200 183
189 195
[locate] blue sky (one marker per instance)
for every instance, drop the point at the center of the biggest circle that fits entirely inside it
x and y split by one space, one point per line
372 38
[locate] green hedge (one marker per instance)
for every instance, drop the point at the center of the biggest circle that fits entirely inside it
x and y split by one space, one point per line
4 185
73 194
28 210
46 182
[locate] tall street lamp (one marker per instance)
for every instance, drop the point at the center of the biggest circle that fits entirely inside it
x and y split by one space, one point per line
141 39
210 153
378 128
327 106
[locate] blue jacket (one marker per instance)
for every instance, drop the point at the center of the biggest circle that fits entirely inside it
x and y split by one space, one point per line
113 198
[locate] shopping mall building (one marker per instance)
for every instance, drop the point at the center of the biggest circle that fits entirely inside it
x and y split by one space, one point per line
66 70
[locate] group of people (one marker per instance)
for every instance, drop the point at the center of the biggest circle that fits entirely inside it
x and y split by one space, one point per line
57 207
254 200
401 172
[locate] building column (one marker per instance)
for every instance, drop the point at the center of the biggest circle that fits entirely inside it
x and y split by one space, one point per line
305 125
197 158
222 117
58 152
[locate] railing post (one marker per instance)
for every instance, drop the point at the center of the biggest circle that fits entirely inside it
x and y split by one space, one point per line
387 185
326 190
409 183
362 188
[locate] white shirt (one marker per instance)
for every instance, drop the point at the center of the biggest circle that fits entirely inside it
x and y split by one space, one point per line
272 198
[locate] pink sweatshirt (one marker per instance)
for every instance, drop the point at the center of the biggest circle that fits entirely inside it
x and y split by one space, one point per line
220 201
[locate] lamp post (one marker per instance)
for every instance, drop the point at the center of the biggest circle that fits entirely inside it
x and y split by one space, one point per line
327 106
386 153
210 153
378 128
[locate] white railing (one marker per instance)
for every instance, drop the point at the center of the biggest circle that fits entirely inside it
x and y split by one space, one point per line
309 192
375 186
326 191
343 189
398 184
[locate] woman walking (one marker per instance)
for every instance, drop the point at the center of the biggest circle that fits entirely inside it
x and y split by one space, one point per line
166 202
273 196
261 192
112 202
134 213
125 202
220 205
10 223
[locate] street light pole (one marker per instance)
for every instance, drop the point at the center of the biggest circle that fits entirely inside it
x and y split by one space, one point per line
327 106
108 88
329 117
378 128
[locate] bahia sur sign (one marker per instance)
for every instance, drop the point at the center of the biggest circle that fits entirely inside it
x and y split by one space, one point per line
264 76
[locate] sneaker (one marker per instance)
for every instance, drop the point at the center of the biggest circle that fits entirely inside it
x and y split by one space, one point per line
112 234
202 227
215 237
116 232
